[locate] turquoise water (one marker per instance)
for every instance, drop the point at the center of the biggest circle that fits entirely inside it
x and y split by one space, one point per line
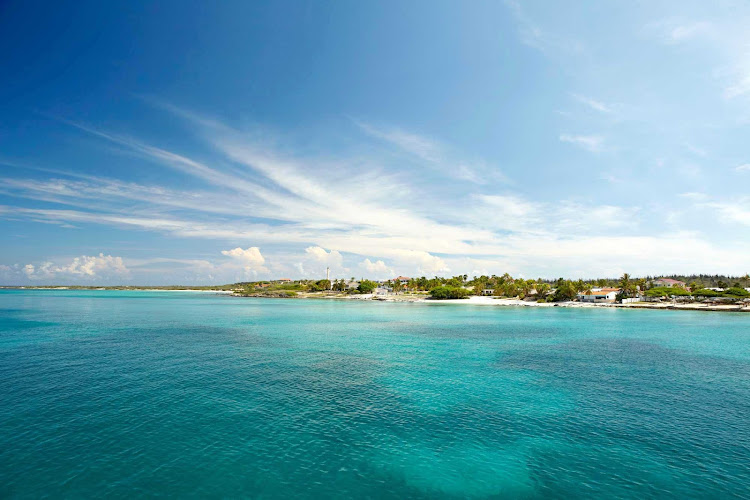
182 394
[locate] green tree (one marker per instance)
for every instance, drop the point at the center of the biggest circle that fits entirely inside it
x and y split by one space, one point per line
320 286
627 287
542 289
367 286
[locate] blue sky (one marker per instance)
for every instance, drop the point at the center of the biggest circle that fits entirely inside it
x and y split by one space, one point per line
177 143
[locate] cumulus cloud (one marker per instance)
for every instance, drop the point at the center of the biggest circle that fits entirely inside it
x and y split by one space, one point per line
330 258
422 262
316 259
250 259
743 168
377 269
84 267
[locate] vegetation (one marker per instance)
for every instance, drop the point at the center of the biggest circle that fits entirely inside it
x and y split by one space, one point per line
505 286
367 286
732 293
449 292
320 286
666 291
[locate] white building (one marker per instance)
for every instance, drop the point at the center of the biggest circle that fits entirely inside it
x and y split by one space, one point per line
599 295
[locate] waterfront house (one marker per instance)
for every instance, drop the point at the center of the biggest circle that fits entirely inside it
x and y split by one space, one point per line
488 291
668 282
403 280
599 295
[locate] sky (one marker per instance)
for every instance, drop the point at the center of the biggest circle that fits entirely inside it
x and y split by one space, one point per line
206 143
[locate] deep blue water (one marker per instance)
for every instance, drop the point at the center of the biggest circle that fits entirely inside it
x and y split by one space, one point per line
127 394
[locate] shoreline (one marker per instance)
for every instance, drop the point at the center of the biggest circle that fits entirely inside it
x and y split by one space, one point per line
489 301
423 298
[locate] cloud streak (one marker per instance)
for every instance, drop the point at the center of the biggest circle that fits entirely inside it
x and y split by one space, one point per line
592 143
359 217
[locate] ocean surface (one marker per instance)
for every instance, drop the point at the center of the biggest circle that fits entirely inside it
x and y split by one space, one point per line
179 394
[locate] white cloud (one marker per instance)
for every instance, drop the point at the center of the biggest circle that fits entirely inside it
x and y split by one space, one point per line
743 168
250 256
250 259
422 262
377 269
436 154
410 142
593 143
534 36
728 211
330 258
740 87
316 259
684 32
83 267
269 198
594 104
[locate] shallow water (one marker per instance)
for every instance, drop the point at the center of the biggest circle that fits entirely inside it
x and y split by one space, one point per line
184 394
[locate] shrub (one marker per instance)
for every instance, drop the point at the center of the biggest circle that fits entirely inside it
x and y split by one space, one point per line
707 293
665 291
449 292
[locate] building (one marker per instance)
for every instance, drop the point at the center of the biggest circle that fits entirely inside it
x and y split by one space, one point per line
403 280
669 282
283 280
352 284
599 295
488 291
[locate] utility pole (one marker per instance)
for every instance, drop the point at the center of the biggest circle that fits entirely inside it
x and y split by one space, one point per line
328 278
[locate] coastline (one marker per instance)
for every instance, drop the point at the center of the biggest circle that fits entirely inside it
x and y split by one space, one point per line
490 301
473 300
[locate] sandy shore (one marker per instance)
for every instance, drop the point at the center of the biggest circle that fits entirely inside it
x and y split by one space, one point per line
492 301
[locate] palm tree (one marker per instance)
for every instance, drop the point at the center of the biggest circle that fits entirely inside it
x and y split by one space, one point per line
625 286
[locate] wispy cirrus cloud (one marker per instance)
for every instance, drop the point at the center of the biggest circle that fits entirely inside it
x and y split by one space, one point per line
437 155
272 199
592 143
594 104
